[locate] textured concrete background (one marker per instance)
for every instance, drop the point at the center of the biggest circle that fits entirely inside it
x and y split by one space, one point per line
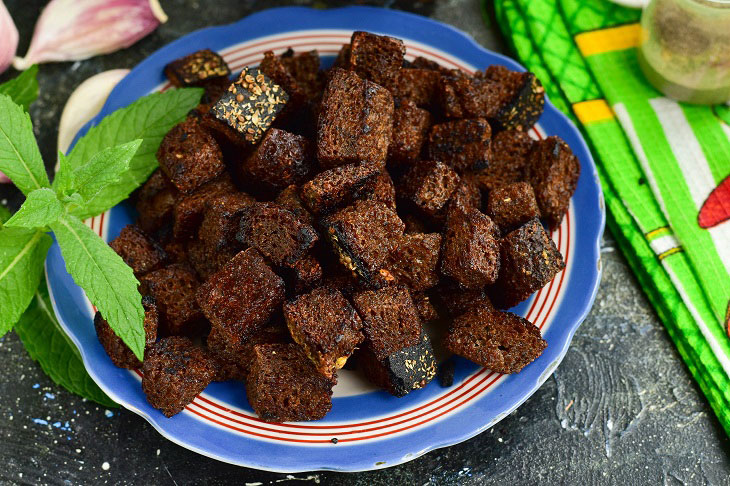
621 409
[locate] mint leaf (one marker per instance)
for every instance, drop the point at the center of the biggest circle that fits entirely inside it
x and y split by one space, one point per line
23 90
40 209
22 252
149 119
63 180
104 168
20 158
108 281
48 344
4 215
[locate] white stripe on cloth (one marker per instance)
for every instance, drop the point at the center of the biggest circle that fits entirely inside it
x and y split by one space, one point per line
664 243
693 164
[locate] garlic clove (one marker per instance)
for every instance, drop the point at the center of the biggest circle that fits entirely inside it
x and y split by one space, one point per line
73 30
8 39
84 104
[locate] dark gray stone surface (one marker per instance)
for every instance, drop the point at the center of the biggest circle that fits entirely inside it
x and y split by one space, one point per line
621 409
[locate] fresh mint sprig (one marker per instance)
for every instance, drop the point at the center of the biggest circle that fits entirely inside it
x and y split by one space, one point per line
105 166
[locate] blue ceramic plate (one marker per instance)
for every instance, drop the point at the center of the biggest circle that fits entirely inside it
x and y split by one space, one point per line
372 428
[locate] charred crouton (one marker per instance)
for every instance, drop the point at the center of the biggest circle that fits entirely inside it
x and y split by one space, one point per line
377 58
553 171
326 326
383 190
414 261
397 354
289 199
276 232
470 252
138 250
234 362
510 152
499 341
457 300
338 187
197 69
303 275
190 156
214 91
175 371
355 121
461 144
410 125
464 96
416 85
189 210
156 202
284 386
529 261
251 105
281 159
241 297
363 235
426 310
466 196
120 354
512 206
428 187
173 289
520 98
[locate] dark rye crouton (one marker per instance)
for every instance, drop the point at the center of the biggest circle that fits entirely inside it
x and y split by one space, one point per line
251 105
189 210
303 275
190 156
175 371
466 196
428 187
513 205
276 232
416 85
120 354
298 74
214 91
289 199
234 362
326 326
355 121
530 260
510 152
464 96
519 101
173 289
241 297
216 243
461 144
342 60
281 159
553 171
284 386
383 190
426 310
397 354
155 202
410 125
470 252
421 62
499 341
377 58
197 69
414 260
338 187
457 300
139 251
363 235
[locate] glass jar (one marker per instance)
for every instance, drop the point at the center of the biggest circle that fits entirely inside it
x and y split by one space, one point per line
684 49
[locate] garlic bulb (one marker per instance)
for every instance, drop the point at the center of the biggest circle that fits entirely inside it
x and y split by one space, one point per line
8 40
73 30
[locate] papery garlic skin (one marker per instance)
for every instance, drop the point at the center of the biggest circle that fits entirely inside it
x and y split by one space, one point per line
8 40
85 103
73 30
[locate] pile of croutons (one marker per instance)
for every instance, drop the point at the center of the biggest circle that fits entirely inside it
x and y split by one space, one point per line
303 217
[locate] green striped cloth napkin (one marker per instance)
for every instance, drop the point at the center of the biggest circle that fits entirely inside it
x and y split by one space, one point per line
664 167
